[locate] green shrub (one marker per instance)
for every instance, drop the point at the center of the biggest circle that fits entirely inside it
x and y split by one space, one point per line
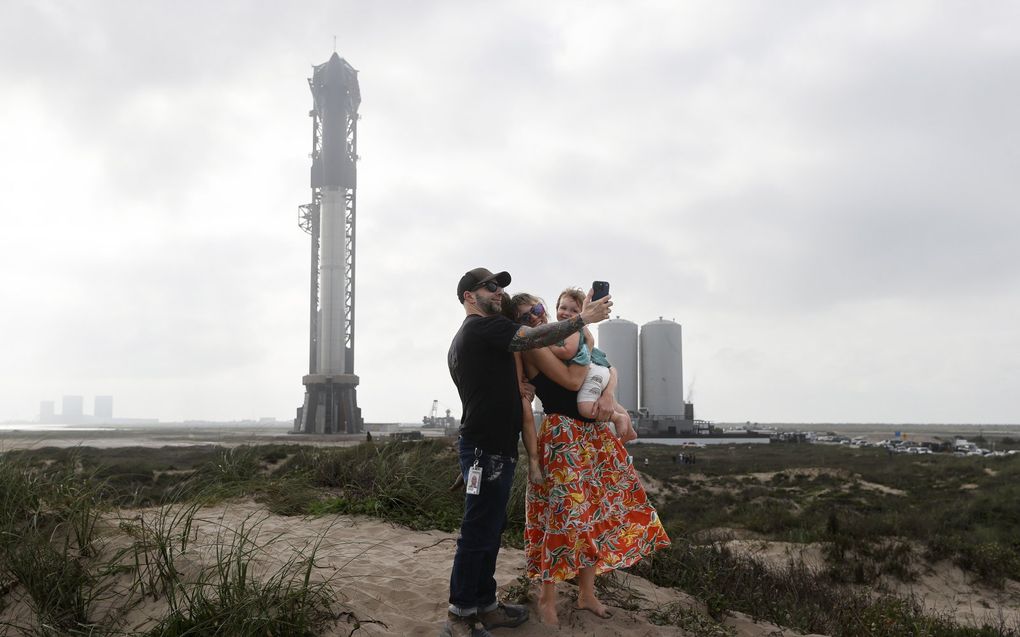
992 562
407 482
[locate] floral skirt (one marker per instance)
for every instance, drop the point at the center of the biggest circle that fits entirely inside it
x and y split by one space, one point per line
591 510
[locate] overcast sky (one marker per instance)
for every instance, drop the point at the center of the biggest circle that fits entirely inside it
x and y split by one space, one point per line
824 195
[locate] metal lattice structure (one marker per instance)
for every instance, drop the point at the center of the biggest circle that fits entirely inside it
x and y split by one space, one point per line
330 404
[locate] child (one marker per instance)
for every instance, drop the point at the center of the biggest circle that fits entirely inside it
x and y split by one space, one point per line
575 350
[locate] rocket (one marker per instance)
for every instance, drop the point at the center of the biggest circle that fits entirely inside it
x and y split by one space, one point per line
336 97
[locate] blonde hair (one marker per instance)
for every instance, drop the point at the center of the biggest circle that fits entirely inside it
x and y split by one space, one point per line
574 294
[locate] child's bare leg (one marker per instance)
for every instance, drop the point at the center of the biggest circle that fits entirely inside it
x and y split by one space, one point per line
620 420
624 427
586 409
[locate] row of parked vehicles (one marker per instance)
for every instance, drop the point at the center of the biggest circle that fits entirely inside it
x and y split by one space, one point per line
959 447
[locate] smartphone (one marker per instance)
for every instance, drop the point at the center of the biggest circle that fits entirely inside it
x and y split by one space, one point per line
599 289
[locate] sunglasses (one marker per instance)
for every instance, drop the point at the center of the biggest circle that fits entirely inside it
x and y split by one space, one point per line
491 286
537 310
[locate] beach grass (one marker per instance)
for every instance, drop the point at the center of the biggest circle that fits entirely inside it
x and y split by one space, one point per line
78 573
51 547
244 591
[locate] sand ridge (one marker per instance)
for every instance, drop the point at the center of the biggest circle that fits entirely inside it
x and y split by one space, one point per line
395 581
942 587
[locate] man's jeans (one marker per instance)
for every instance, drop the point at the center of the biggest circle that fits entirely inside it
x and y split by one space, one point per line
472 585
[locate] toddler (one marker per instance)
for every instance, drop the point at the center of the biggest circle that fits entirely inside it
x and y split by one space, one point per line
574 350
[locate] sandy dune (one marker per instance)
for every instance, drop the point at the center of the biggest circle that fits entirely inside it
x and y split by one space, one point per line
942 587
395 581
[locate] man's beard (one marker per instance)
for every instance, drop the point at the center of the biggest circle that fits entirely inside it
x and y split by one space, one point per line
491 305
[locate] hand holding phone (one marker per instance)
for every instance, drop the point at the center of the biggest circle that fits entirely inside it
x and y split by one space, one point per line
596 306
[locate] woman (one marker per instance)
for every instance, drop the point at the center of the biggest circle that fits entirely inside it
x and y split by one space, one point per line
590 513
527 309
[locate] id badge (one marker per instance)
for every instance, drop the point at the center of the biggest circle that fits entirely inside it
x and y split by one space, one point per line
474 479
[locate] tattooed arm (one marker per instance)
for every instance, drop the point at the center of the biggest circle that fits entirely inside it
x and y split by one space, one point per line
543 335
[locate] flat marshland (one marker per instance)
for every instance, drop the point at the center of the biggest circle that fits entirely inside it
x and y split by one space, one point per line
288 539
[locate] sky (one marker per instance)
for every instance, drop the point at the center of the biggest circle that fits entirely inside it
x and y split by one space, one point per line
823 194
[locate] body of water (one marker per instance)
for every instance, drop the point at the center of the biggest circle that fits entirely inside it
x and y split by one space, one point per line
702 441
34 426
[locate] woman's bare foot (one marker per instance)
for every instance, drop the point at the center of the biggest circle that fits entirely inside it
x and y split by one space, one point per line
586 599
547 605
547 614
593 605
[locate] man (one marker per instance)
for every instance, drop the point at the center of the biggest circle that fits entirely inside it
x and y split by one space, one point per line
482 365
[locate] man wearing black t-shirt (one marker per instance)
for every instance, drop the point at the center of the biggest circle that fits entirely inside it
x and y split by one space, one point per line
482 365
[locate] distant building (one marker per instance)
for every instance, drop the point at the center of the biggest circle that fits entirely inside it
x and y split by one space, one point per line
103 407
71 409
46 411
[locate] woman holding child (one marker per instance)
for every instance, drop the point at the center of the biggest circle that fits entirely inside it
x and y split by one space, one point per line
589 513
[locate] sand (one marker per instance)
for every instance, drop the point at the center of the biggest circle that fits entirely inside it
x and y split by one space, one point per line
395 581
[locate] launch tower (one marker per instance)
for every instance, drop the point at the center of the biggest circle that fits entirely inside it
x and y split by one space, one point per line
331 404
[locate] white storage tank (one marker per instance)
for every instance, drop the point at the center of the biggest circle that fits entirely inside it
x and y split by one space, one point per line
618 338
662 372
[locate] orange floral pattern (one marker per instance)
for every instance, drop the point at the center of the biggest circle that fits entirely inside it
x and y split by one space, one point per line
591 510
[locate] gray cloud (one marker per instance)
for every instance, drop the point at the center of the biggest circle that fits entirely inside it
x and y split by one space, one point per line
821 193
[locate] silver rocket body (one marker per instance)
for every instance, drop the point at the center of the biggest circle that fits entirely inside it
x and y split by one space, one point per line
332 285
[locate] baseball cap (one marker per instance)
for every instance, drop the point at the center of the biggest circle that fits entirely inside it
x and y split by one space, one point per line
474 278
